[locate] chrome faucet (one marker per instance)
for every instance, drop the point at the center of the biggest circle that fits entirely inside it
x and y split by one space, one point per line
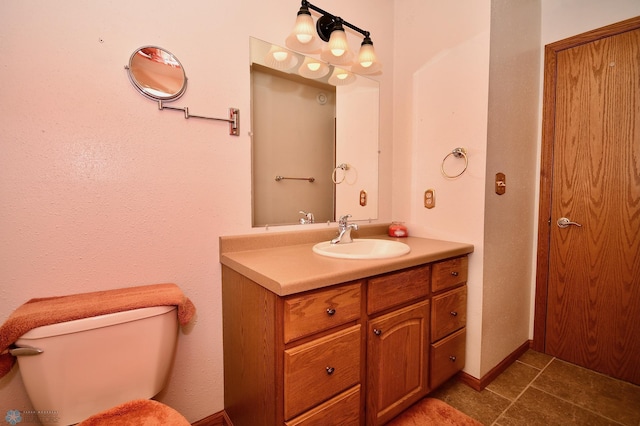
344 230
308 218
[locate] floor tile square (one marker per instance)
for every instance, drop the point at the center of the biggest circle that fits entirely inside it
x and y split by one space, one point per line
536 407
513 381
535 359
609 397
484 406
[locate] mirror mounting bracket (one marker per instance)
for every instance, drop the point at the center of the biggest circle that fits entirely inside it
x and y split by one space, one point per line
233 120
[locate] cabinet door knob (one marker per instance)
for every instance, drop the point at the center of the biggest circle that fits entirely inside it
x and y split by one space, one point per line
454 273
453 313
330 370
452 358
330 311
377 331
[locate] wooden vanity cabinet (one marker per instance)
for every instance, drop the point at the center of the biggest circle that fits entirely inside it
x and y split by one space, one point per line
350 354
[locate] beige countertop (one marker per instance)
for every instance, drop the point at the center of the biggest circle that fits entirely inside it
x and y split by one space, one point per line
285 263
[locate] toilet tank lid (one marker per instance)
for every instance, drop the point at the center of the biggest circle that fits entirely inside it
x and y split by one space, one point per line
92 323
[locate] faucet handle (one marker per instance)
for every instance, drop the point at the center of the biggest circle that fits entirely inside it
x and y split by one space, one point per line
343 219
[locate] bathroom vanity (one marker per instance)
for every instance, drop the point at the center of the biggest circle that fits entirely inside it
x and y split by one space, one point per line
311 340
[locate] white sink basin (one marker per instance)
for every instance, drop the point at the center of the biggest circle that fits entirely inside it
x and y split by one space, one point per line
362 249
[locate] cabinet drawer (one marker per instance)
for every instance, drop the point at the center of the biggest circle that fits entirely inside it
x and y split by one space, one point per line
449 273
397 288
312 312
317 370
343 410
448 312
447 357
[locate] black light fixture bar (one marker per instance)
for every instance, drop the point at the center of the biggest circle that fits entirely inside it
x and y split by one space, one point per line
335 18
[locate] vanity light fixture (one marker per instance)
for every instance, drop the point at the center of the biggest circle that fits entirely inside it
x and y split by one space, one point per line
367 62
330 28
336 51
303 38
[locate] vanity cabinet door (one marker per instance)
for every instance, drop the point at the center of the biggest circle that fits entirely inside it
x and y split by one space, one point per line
320 369
397 361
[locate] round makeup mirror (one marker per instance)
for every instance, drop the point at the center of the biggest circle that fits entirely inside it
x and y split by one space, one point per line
157 73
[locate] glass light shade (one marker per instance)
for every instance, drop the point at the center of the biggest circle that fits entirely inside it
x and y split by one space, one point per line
303 37
338 43
312 68
367 62
280 59
337 51
341 77
304 29
367 55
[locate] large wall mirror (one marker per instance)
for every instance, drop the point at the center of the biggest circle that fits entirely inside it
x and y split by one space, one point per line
314 140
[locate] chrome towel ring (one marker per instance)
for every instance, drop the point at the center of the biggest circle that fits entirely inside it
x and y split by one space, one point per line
457 153
344 167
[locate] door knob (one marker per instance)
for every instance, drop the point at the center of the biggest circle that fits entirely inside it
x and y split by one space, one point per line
564 222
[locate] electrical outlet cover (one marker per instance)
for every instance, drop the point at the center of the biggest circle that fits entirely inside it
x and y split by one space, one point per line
430 198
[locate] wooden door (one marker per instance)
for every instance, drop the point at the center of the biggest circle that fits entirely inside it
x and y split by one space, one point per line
591 176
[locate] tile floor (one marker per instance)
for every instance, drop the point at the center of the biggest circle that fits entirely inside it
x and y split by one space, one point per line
539 389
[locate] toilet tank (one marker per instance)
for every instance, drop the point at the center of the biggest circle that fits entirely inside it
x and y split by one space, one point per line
92 364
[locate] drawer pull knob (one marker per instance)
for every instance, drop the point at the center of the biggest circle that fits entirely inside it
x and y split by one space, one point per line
330 370
453 313
377 331
330 311
452 358
454 273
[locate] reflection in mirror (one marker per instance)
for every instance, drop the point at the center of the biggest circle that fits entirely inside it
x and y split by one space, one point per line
157 74
293 137
314 139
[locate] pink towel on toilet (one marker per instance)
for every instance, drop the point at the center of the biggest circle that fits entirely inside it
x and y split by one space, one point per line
139 412
53 310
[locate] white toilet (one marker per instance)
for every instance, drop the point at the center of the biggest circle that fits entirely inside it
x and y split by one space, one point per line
82 367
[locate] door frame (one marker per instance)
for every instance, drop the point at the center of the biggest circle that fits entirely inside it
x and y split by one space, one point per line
546 164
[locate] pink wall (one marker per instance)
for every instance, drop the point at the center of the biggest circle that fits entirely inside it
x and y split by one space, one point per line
444 85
